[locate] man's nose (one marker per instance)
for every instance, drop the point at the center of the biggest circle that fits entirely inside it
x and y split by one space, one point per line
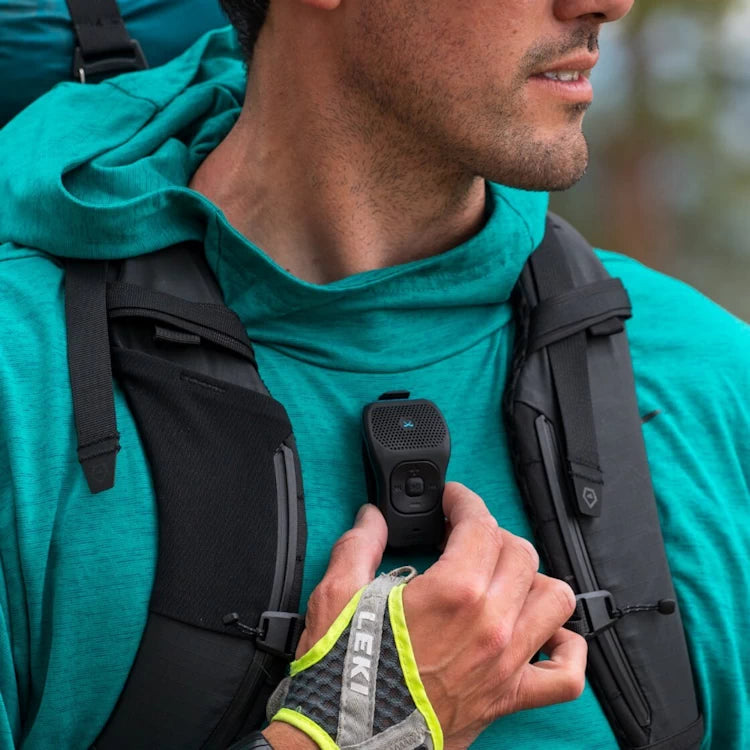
602 11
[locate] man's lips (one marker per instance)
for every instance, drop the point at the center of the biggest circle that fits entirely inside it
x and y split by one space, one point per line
567 79
581 63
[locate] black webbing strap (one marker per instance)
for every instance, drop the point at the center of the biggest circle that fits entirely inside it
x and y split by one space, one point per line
104 47
91 371
211 321
568 360
585 308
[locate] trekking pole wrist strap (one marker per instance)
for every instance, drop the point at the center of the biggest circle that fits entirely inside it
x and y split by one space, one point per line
359 685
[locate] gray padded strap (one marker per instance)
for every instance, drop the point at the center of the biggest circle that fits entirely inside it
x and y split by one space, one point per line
357 708
350 692
408 735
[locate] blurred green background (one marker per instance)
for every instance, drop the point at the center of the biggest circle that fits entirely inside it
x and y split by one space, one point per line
669 131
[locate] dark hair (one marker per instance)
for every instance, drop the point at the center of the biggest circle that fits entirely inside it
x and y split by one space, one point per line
247 17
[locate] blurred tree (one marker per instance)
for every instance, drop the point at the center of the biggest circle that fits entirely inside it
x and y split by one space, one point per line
669 131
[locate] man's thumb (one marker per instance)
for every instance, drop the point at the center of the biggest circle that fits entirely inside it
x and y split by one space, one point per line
358 553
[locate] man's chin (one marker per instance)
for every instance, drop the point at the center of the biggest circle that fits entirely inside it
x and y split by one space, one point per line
540 167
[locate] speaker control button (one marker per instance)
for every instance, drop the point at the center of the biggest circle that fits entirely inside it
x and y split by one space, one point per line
421 482
414 486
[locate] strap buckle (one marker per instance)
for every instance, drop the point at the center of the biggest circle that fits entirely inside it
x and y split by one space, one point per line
595 613
279 633
119 61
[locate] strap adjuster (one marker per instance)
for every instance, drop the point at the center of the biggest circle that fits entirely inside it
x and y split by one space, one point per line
279 633
120 61
595 612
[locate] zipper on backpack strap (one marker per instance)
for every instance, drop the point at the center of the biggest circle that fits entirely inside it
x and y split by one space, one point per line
584 574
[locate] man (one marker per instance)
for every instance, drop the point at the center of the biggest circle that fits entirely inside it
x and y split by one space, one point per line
366 216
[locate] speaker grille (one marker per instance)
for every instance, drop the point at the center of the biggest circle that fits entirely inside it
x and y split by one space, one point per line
388 429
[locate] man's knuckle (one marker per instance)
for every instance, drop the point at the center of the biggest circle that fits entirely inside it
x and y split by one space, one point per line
488 524
497 638
573 685
465 594
330 590
566 599
348 540
561 597
527 552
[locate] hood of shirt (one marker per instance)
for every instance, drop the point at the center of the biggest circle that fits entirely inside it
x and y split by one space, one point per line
101 171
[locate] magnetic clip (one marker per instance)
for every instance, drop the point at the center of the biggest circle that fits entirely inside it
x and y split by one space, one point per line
595 613
279 633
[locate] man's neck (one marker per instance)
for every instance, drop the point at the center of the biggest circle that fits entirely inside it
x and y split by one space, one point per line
326 195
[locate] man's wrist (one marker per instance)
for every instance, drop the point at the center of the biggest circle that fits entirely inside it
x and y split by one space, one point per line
284 736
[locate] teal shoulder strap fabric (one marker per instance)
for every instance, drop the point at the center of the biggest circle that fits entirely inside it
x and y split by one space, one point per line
580 461
222 620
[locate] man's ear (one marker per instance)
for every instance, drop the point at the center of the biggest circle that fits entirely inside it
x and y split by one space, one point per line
322 4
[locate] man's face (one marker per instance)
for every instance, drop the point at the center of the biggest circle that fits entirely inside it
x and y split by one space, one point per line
465 79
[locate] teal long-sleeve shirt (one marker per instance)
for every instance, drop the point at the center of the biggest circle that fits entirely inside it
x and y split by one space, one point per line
77 570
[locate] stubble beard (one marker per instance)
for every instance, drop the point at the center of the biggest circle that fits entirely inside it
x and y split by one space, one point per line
497 145
470 131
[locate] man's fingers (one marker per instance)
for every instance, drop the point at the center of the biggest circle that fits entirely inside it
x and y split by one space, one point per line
548 606
355 558
356 555
514 575
459 503
561 678
474 541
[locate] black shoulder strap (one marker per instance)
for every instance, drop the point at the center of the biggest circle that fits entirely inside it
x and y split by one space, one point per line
579 456
104 47
222 619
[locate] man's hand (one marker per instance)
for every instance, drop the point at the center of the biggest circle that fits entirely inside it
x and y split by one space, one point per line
475 618
478 616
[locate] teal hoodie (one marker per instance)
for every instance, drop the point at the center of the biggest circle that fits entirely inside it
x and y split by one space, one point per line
101 172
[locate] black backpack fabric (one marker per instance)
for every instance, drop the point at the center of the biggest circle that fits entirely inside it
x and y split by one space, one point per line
230 560
222 620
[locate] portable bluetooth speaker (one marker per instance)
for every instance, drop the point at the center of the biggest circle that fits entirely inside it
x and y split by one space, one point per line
406 454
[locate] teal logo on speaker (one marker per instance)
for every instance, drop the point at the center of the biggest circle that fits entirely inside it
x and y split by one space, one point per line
407 424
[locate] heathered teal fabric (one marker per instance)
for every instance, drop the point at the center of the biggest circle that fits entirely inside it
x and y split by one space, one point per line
101 172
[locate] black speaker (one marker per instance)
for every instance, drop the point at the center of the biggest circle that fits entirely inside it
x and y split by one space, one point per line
406 453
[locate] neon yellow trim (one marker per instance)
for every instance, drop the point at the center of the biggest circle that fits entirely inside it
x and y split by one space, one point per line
409 665
327 642
308 726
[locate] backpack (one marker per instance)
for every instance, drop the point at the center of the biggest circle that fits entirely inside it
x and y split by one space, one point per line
230 562
44 43
223 616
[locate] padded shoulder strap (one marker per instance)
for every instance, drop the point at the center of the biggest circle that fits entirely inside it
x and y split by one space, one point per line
580 460
222 620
